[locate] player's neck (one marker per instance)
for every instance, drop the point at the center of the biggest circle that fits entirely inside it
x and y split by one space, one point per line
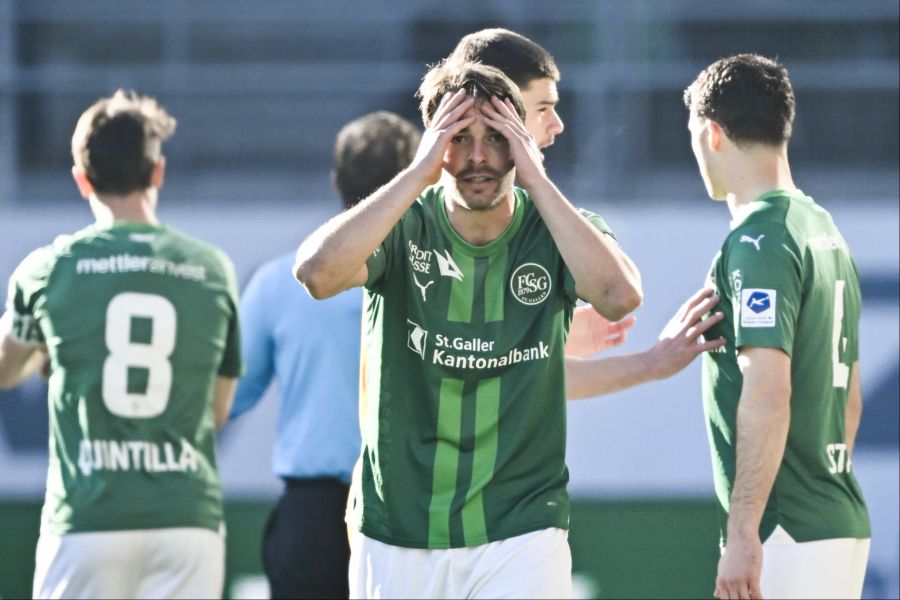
481 227
136 207
758 172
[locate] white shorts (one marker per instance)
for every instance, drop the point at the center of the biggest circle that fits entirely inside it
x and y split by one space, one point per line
533 565
184 562
822 569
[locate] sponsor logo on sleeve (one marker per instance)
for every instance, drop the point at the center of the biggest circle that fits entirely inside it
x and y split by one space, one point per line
530 284
736 281
416 338
758 307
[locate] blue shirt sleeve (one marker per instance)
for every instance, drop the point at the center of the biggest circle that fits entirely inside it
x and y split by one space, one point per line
257 346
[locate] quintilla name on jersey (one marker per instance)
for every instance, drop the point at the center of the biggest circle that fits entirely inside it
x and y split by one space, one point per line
136 455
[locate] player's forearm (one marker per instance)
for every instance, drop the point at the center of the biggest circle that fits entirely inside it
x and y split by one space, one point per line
329 258
18 363
223 396
763 419
604 275
586 377
853 412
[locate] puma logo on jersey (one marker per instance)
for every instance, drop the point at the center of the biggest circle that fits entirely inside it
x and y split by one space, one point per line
447 266
750 240
421 287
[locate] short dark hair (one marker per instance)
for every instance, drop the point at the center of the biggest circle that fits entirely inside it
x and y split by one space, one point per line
749 95
118 140
480 81
521 59
370 151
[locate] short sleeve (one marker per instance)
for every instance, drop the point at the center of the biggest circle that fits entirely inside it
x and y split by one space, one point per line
232 363
598 222
378 264
26 289
763 266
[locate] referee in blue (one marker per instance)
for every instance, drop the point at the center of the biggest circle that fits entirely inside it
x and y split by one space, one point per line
311 349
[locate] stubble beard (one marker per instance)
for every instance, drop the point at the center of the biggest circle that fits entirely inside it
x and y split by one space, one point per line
484 201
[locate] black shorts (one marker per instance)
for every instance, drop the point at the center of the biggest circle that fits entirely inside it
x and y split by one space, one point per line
305 552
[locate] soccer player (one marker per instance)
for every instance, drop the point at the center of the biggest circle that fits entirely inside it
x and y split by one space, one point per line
470 282
141 327
531 67
783 397
311 349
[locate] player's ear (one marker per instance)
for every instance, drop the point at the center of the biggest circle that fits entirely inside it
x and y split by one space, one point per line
159 173
85 188
715 134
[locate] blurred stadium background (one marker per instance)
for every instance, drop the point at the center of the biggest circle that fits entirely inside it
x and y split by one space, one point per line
261 88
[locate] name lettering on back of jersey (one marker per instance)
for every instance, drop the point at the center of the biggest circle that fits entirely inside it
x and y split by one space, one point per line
128 263
758 307
530 284
447 266
746 239
135 455
825 242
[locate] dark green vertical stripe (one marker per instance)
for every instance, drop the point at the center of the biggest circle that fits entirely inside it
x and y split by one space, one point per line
446 461
462 293
494 286
487 415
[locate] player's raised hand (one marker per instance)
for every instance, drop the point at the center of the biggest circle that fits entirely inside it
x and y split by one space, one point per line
679 342
591 333
502 116
452 115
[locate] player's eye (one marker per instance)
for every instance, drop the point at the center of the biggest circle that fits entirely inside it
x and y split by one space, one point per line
459 139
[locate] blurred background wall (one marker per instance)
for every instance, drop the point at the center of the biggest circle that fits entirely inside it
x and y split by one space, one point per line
261 88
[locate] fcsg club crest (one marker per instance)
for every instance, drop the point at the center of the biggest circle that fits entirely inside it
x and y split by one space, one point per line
530 284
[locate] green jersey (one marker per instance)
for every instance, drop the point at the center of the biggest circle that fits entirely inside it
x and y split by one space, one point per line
787 280
464 419
138 321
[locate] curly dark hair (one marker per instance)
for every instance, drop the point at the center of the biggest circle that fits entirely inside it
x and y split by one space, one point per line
749 95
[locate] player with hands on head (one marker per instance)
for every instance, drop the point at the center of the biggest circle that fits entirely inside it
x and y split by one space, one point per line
470 285
534 70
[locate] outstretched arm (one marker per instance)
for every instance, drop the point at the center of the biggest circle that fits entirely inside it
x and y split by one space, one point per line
604 275
590 333
333 258
763 418
678 345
